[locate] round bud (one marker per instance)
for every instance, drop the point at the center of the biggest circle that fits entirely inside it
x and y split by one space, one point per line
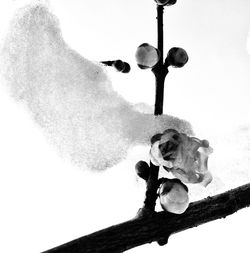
147 56
177 57
118 65
205 143
126 68
174 196
165 2
142 169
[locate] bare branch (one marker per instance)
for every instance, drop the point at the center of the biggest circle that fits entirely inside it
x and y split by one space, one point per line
160 226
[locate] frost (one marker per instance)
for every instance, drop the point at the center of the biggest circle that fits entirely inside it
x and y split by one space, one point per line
70 97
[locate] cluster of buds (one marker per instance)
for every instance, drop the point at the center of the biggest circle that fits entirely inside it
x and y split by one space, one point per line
183 156
148 56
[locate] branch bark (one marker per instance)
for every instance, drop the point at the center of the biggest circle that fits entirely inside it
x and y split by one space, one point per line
160 226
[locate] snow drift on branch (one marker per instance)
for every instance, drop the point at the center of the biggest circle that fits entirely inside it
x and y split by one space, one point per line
70 97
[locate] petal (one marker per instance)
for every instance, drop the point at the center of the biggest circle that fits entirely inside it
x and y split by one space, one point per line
207 179
157 158
155 138
155 154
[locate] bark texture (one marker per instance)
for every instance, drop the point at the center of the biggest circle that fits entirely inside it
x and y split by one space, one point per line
160 226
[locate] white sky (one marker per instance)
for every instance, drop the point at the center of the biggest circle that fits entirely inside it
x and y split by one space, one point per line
45 201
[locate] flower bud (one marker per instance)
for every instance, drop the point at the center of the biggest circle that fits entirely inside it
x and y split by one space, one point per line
118 65
165 2
174 196
147 56
177 57
164 148
142 170
185 157
126 68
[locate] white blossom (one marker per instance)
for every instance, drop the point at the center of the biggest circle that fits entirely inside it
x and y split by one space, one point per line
185 157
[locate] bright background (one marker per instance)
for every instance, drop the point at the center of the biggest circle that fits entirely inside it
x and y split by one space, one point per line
46 201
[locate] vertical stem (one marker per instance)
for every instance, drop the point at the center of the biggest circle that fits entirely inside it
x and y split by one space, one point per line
160 71
159 95
160 10
152 187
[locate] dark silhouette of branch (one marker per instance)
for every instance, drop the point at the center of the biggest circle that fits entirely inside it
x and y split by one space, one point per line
159 226
160 72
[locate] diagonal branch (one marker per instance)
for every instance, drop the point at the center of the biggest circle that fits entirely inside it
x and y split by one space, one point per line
144 230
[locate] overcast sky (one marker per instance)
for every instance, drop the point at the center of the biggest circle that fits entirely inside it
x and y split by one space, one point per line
46 201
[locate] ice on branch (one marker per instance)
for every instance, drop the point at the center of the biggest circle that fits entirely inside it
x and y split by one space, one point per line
70 97
185 157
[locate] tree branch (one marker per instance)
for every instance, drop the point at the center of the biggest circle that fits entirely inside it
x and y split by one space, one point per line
160 71
160 226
